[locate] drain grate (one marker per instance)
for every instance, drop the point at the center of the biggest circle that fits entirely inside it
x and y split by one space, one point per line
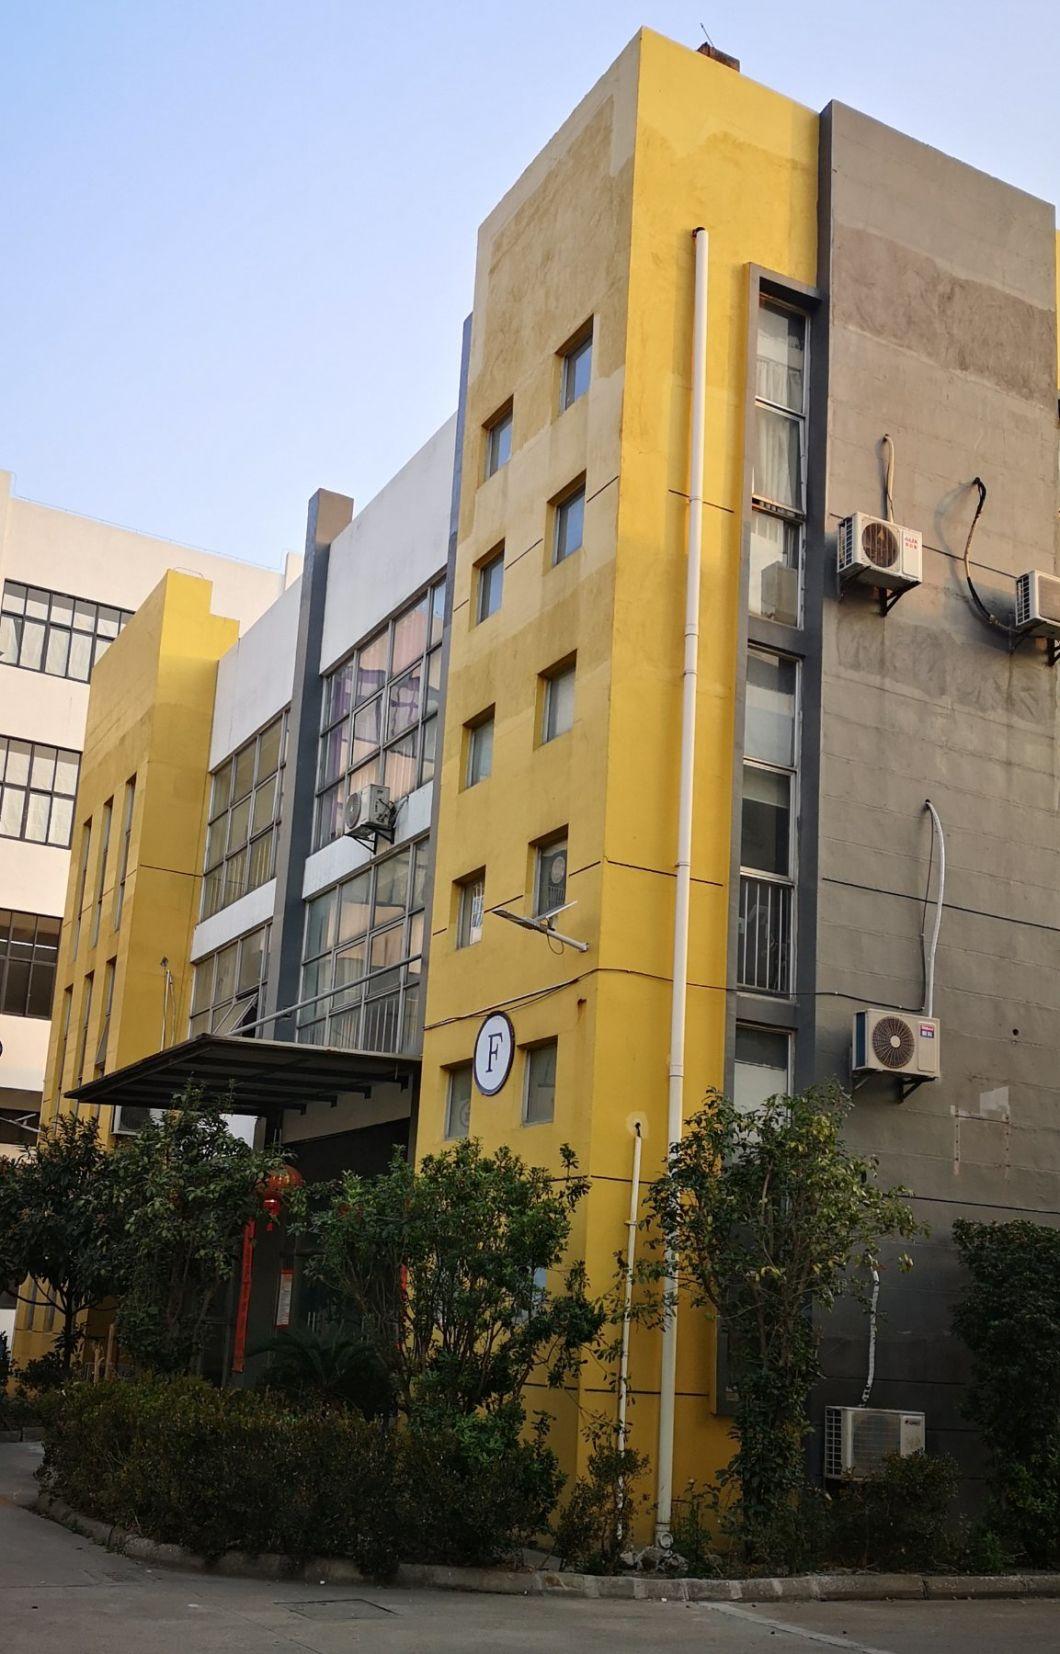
341 1608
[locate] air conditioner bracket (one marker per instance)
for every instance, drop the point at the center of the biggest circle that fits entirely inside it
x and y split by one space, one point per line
907 1083
1052 647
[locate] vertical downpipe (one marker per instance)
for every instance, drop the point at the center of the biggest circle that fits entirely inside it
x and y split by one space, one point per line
683 887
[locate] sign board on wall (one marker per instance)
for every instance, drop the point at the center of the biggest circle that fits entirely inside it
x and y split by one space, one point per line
494 1053
283 1298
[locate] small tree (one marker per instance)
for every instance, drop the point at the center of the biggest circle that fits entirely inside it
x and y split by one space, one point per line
442 1268
769 1214
1009 1317
57 1224
184 1189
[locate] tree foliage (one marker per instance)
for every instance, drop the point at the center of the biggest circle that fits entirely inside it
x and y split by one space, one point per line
1009 1317
183 1189
769 1214
438 1264
57 1223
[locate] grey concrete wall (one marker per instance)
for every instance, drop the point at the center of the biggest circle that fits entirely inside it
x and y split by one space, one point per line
942 333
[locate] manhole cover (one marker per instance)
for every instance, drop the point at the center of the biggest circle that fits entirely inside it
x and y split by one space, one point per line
343 1608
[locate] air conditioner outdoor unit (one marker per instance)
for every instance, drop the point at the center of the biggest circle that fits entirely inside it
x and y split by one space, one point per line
895 1042
1038 604
879 552
130 1119
368 813
858 1439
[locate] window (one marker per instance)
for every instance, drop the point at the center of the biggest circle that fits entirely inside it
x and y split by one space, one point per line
490 586
569 524
539 1095
557 711
767 827
550 882
362 957
458 1102
29 949
379 719
778 484
100 1065
244 819
101 871
123 849
37 789
762 1068
229 985
472 905
82 880
577 370
499 440
82 1032
46 631
479 749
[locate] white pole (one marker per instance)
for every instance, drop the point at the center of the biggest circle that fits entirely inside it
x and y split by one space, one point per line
683 887
631 1247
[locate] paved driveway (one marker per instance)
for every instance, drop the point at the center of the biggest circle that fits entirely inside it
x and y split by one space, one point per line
63 1595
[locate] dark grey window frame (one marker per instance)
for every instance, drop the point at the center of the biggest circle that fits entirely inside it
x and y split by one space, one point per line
41 961
50 753
54 623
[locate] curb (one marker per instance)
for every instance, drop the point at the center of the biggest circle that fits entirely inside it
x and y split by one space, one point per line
337 1570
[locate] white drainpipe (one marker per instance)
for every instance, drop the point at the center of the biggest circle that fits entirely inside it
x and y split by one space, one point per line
683 887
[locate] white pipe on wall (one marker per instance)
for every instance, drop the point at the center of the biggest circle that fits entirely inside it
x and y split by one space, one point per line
929 960
683 886
627 1306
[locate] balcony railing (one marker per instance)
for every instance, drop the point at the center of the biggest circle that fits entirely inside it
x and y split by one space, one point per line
763 964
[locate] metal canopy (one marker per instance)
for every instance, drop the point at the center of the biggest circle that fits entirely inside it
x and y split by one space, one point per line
264 1075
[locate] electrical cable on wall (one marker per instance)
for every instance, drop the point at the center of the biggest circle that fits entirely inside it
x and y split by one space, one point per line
887 444
980 607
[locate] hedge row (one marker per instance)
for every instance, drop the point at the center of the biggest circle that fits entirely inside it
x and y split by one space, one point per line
219 1470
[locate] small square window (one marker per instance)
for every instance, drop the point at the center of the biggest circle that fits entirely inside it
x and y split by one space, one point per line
762 1068
490 585
539 1096
472 909
577 370
558 709
499 441
569 525
550 884
479 750
458 1102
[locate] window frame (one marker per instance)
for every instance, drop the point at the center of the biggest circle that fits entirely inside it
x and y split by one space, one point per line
761 505
39 751
41 961
471 890
788 881
217 884
542 848
570 355
459 1070
474 733
215 1011
560 508
347 702
15 592
743 1026
530 1053
484 570
558 674
502 421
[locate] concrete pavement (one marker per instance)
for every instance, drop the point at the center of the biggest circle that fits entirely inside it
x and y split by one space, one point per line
60 1594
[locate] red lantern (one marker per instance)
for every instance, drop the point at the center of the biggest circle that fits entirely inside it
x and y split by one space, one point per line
275 1187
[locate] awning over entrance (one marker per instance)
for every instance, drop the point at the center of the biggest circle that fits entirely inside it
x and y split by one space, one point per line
264 1075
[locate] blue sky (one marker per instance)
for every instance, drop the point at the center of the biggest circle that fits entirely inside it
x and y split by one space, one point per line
240 234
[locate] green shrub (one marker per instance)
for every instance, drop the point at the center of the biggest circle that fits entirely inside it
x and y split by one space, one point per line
1009 1317
219 1470
900 1519
693 1527
336 1371
596 1524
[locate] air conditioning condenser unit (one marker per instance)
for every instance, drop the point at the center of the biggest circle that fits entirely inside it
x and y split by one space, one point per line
857 1440
895 1042
368 813
1038 604
879 553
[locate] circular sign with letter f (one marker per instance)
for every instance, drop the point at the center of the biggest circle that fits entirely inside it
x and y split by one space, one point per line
494 1053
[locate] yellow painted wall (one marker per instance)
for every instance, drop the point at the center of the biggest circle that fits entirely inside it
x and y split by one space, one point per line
601 225
149 716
